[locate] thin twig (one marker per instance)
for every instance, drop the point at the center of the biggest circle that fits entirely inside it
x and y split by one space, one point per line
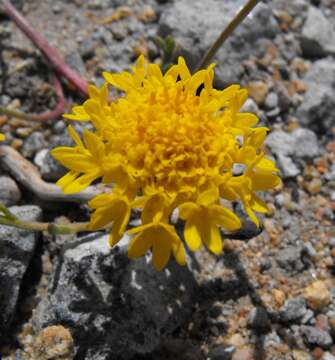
48 51
241 15
48 115
28 175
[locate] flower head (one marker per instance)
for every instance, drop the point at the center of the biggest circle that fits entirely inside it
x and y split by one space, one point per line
172 141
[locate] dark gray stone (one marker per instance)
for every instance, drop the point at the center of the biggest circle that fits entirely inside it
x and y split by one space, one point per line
316 337
114 306
318 35
258 319
10 193
16 250
293 310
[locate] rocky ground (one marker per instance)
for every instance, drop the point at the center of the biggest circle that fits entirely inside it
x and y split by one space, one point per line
273 297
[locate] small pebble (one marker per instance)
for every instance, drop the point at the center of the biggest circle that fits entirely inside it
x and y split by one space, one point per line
317 295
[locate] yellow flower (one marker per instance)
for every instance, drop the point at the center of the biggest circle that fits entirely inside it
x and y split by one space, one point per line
2 137
170 142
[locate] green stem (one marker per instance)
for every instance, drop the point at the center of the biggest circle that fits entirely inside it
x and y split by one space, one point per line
14 113
51 228
242 14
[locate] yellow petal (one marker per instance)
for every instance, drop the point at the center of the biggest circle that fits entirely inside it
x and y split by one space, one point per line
74 135
192 235
184 72
179 253
187 210
79 114
2 137
224 217
257 204
251 214
246 120
257 137
139 245
267 165
161 250
67 179
94 145
212 238
264 181
81 183
208 197
154 209
195 81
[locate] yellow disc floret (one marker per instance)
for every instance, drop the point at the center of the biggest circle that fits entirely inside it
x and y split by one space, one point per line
172 141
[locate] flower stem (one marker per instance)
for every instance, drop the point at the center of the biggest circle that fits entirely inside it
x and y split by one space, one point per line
51 228
241 15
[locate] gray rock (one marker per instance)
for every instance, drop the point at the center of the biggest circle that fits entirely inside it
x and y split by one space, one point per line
114 306
316 111
308 318
305 143
288 168
328 356
16 250
318 35
289 259
316 337
10 193
258 319
32 144
280 142
293 310
301 143
187 21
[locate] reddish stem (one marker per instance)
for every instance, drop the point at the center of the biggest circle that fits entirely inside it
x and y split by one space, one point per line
48 51
58 110
48 115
